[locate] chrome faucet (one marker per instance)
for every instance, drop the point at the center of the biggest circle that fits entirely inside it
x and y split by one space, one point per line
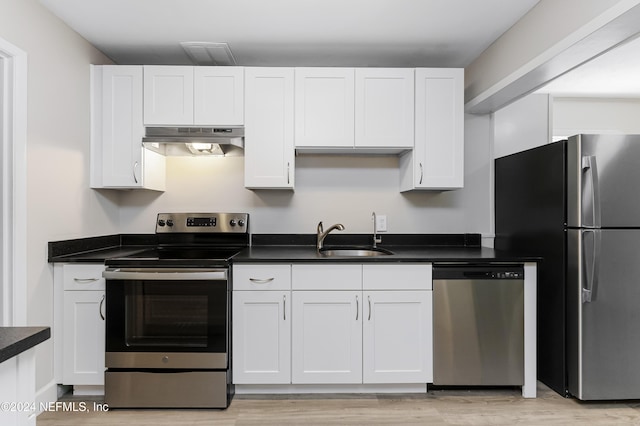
376 240
322 234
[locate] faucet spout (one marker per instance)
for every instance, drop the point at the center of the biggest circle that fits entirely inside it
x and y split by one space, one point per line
376 240
322 234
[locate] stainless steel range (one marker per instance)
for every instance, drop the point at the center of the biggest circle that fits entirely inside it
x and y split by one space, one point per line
168 335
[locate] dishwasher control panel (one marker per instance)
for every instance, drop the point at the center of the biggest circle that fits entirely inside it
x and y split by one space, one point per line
507 275
478 272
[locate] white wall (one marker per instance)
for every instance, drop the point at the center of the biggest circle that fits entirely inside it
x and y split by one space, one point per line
595 115
522 125
60 204
332 189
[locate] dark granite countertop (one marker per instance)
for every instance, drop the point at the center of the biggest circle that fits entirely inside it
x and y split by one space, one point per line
15 340
301 248
98 249
405 248
301 254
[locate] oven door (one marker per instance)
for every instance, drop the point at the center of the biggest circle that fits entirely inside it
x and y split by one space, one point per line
167 318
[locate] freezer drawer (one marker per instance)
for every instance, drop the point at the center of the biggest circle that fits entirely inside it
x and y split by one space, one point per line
603 337
478 318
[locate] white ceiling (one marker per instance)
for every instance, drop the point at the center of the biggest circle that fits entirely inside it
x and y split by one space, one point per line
379 33
394 33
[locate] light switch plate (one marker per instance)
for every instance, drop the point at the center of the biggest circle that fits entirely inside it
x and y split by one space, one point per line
381 223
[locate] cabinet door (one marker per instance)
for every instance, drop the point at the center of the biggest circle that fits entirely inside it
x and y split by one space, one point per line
397 337
122 129
268 144
324 105
384 107
261 337
327 337
84 335
439 127
168 95
219 96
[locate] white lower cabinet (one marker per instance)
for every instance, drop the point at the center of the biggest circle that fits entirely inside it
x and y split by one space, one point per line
397 337
83 363
329 323
261 337
261 327
327 337
83 326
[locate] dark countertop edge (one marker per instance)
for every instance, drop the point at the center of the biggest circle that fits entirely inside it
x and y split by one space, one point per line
16 340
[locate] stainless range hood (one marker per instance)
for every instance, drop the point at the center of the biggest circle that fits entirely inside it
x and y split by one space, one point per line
176 141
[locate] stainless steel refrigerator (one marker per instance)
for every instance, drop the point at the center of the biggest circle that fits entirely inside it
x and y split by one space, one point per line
576 203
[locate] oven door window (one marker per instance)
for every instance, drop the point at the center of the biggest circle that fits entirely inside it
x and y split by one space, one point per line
177 316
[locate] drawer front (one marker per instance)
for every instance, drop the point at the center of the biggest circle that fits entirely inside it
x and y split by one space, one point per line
403 276
327 276
262 277
83 276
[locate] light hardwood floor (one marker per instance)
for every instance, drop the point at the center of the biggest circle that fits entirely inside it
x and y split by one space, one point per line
436 407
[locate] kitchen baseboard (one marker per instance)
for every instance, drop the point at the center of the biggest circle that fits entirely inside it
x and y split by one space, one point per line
333 389
46 394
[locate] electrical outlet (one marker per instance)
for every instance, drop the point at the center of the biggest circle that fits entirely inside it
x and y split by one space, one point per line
381 223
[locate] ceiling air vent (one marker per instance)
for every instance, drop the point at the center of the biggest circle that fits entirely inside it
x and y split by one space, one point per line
207 53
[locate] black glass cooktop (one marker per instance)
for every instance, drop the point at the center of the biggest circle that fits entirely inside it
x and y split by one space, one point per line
177 256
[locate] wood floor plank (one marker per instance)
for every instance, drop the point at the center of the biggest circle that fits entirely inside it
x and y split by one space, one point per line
436 407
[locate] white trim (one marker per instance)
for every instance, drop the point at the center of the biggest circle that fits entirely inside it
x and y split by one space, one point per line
46 394
530 348
604 32
13 143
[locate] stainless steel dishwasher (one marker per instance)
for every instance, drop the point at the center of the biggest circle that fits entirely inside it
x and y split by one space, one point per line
478 325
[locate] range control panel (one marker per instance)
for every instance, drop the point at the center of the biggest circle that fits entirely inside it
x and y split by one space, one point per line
202 222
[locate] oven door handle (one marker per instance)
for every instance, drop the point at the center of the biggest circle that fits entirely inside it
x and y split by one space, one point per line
165 274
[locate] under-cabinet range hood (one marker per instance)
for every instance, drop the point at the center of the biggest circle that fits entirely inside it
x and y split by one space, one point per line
177 141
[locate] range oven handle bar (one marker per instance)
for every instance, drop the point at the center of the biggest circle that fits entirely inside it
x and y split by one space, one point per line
165 274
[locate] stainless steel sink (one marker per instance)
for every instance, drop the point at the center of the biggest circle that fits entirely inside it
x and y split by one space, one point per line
354 252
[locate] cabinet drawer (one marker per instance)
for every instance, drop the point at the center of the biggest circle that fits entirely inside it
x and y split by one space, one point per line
262 277
83 277
397 277
327 276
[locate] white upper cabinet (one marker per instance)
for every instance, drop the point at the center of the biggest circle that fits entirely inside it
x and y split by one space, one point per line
219 96
384 112
437 162
186 96
324 107
269 134
118 159
168 95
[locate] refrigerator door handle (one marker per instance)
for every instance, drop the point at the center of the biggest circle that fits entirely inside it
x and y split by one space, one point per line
589 164
592 265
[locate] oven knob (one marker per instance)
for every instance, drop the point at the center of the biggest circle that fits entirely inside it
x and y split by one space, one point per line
241 222
169 222
232 222
161 222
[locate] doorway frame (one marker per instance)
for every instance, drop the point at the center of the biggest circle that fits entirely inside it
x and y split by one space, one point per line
13 213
